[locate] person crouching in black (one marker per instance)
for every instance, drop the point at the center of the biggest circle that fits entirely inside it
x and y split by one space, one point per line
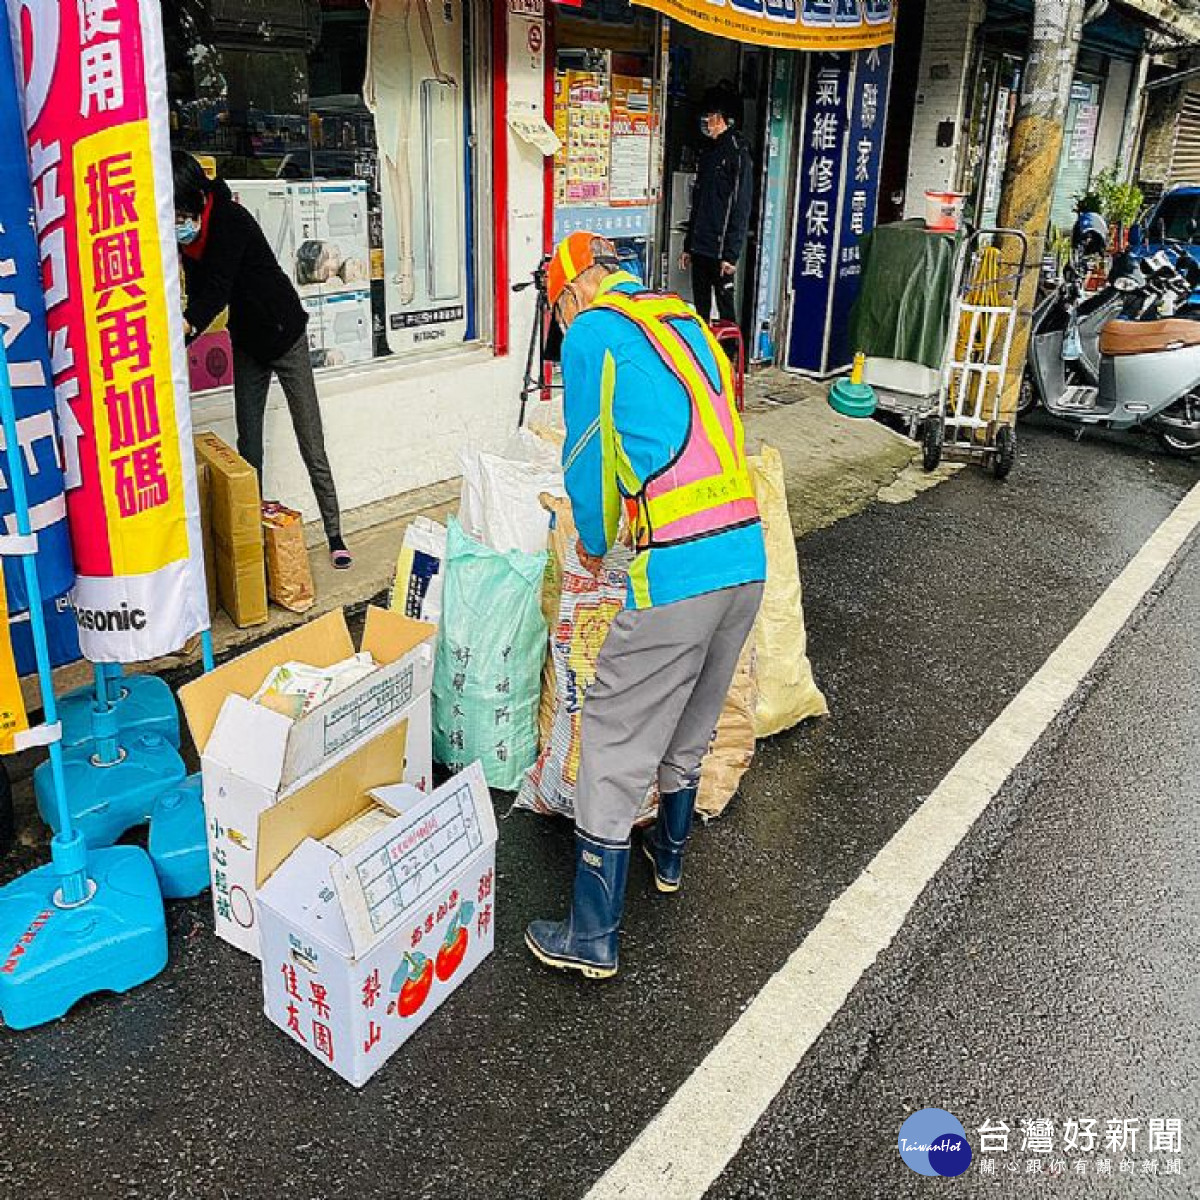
227 263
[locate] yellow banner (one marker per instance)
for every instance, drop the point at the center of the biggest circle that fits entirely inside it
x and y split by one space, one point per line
788 24
120 265
13 719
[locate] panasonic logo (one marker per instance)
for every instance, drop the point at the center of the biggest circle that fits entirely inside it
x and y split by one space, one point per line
111 620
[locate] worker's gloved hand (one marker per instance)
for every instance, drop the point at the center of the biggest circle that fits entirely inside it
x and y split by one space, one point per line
589 562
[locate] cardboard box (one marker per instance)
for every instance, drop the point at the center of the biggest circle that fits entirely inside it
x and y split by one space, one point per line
204 489
236 512
362 943
252 758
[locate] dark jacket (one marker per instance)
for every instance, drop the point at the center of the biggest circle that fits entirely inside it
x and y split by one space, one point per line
236 268
721 199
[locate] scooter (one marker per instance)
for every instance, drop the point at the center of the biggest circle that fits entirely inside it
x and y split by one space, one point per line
1121 359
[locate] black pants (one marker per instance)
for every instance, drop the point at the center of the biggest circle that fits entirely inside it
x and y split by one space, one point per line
251 381
707 279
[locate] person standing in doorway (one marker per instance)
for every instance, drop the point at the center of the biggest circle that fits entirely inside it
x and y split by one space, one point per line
721 199
227 263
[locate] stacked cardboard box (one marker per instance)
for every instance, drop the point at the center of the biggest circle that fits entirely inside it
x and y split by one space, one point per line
253 758
236 521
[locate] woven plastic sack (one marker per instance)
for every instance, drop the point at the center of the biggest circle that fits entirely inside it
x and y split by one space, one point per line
585 607
787 692
490 647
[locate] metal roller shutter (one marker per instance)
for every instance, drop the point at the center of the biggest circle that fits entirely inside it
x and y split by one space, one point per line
1185 158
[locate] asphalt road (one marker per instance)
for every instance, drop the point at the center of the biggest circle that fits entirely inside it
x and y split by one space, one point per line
924 620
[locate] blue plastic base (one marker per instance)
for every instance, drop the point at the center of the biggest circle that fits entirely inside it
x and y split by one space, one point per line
50 958
852 399
106 801
147 706
178 845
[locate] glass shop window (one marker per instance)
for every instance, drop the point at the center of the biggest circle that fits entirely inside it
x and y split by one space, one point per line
348 128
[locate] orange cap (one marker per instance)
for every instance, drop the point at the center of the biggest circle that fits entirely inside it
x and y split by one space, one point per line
572 256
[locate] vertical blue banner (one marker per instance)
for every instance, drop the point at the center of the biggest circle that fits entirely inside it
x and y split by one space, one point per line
860 192
23 325
824 130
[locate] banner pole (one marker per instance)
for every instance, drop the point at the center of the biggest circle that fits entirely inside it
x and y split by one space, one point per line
67 847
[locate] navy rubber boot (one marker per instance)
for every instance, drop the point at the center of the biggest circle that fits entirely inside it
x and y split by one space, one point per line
587 940
665 842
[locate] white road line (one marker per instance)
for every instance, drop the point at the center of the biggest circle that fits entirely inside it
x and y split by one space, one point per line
700 1129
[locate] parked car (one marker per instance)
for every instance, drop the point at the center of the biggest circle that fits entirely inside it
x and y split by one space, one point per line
1174 222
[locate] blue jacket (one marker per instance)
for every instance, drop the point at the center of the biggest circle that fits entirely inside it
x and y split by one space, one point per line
604 351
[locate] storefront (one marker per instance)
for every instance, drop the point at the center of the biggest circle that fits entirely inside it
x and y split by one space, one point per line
362 137
630 175
375 142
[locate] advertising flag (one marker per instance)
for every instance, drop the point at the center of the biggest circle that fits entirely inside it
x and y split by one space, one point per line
23 328
95 113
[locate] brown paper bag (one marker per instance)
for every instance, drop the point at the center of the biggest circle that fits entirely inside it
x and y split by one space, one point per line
289 576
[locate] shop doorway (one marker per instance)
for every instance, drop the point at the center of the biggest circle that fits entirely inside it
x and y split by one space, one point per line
698 63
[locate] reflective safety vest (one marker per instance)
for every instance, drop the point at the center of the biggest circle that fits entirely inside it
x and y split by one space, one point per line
705 489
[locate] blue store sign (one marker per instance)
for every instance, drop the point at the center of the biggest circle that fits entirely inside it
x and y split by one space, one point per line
841 143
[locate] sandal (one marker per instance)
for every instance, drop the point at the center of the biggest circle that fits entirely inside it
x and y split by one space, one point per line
339 555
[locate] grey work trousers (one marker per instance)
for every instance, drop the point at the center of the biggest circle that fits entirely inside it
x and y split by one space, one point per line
251 382
661 681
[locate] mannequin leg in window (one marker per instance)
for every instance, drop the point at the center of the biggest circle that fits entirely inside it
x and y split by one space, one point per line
388 93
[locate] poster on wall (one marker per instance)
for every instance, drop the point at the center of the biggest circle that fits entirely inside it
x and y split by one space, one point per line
631 140
416 87
95 113
773 228
23 327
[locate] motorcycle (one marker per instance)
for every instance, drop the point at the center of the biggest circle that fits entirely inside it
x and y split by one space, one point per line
1119 359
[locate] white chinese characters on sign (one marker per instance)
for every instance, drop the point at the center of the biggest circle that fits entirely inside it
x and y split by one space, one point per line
102 83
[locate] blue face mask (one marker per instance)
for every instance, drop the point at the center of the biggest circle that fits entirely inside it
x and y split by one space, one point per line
186 232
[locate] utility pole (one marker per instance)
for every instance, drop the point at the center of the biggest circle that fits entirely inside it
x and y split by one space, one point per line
1033 153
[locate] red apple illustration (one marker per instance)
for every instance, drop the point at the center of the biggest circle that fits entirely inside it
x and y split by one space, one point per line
416 971
454 948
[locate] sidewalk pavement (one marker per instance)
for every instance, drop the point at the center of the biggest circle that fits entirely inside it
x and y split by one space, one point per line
834 467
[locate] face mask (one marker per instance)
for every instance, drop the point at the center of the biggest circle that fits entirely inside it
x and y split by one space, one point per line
186 232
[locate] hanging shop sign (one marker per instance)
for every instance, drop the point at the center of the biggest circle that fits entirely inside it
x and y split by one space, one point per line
788 24
23 326
95 109
860 192
844 113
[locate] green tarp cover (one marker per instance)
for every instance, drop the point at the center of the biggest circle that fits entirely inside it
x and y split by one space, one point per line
903 305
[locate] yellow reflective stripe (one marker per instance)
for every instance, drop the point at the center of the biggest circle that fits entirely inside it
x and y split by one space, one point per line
568 263
626 475
611 498
684 366
639 581
701 496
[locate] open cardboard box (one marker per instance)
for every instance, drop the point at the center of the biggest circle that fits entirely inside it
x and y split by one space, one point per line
252 757
375 903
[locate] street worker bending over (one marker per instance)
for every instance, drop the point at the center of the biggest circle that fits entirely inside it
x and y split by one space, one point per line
652 430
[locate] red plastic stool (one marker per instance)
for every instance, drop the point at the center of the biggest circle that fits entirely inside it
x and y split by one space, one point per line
729 333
